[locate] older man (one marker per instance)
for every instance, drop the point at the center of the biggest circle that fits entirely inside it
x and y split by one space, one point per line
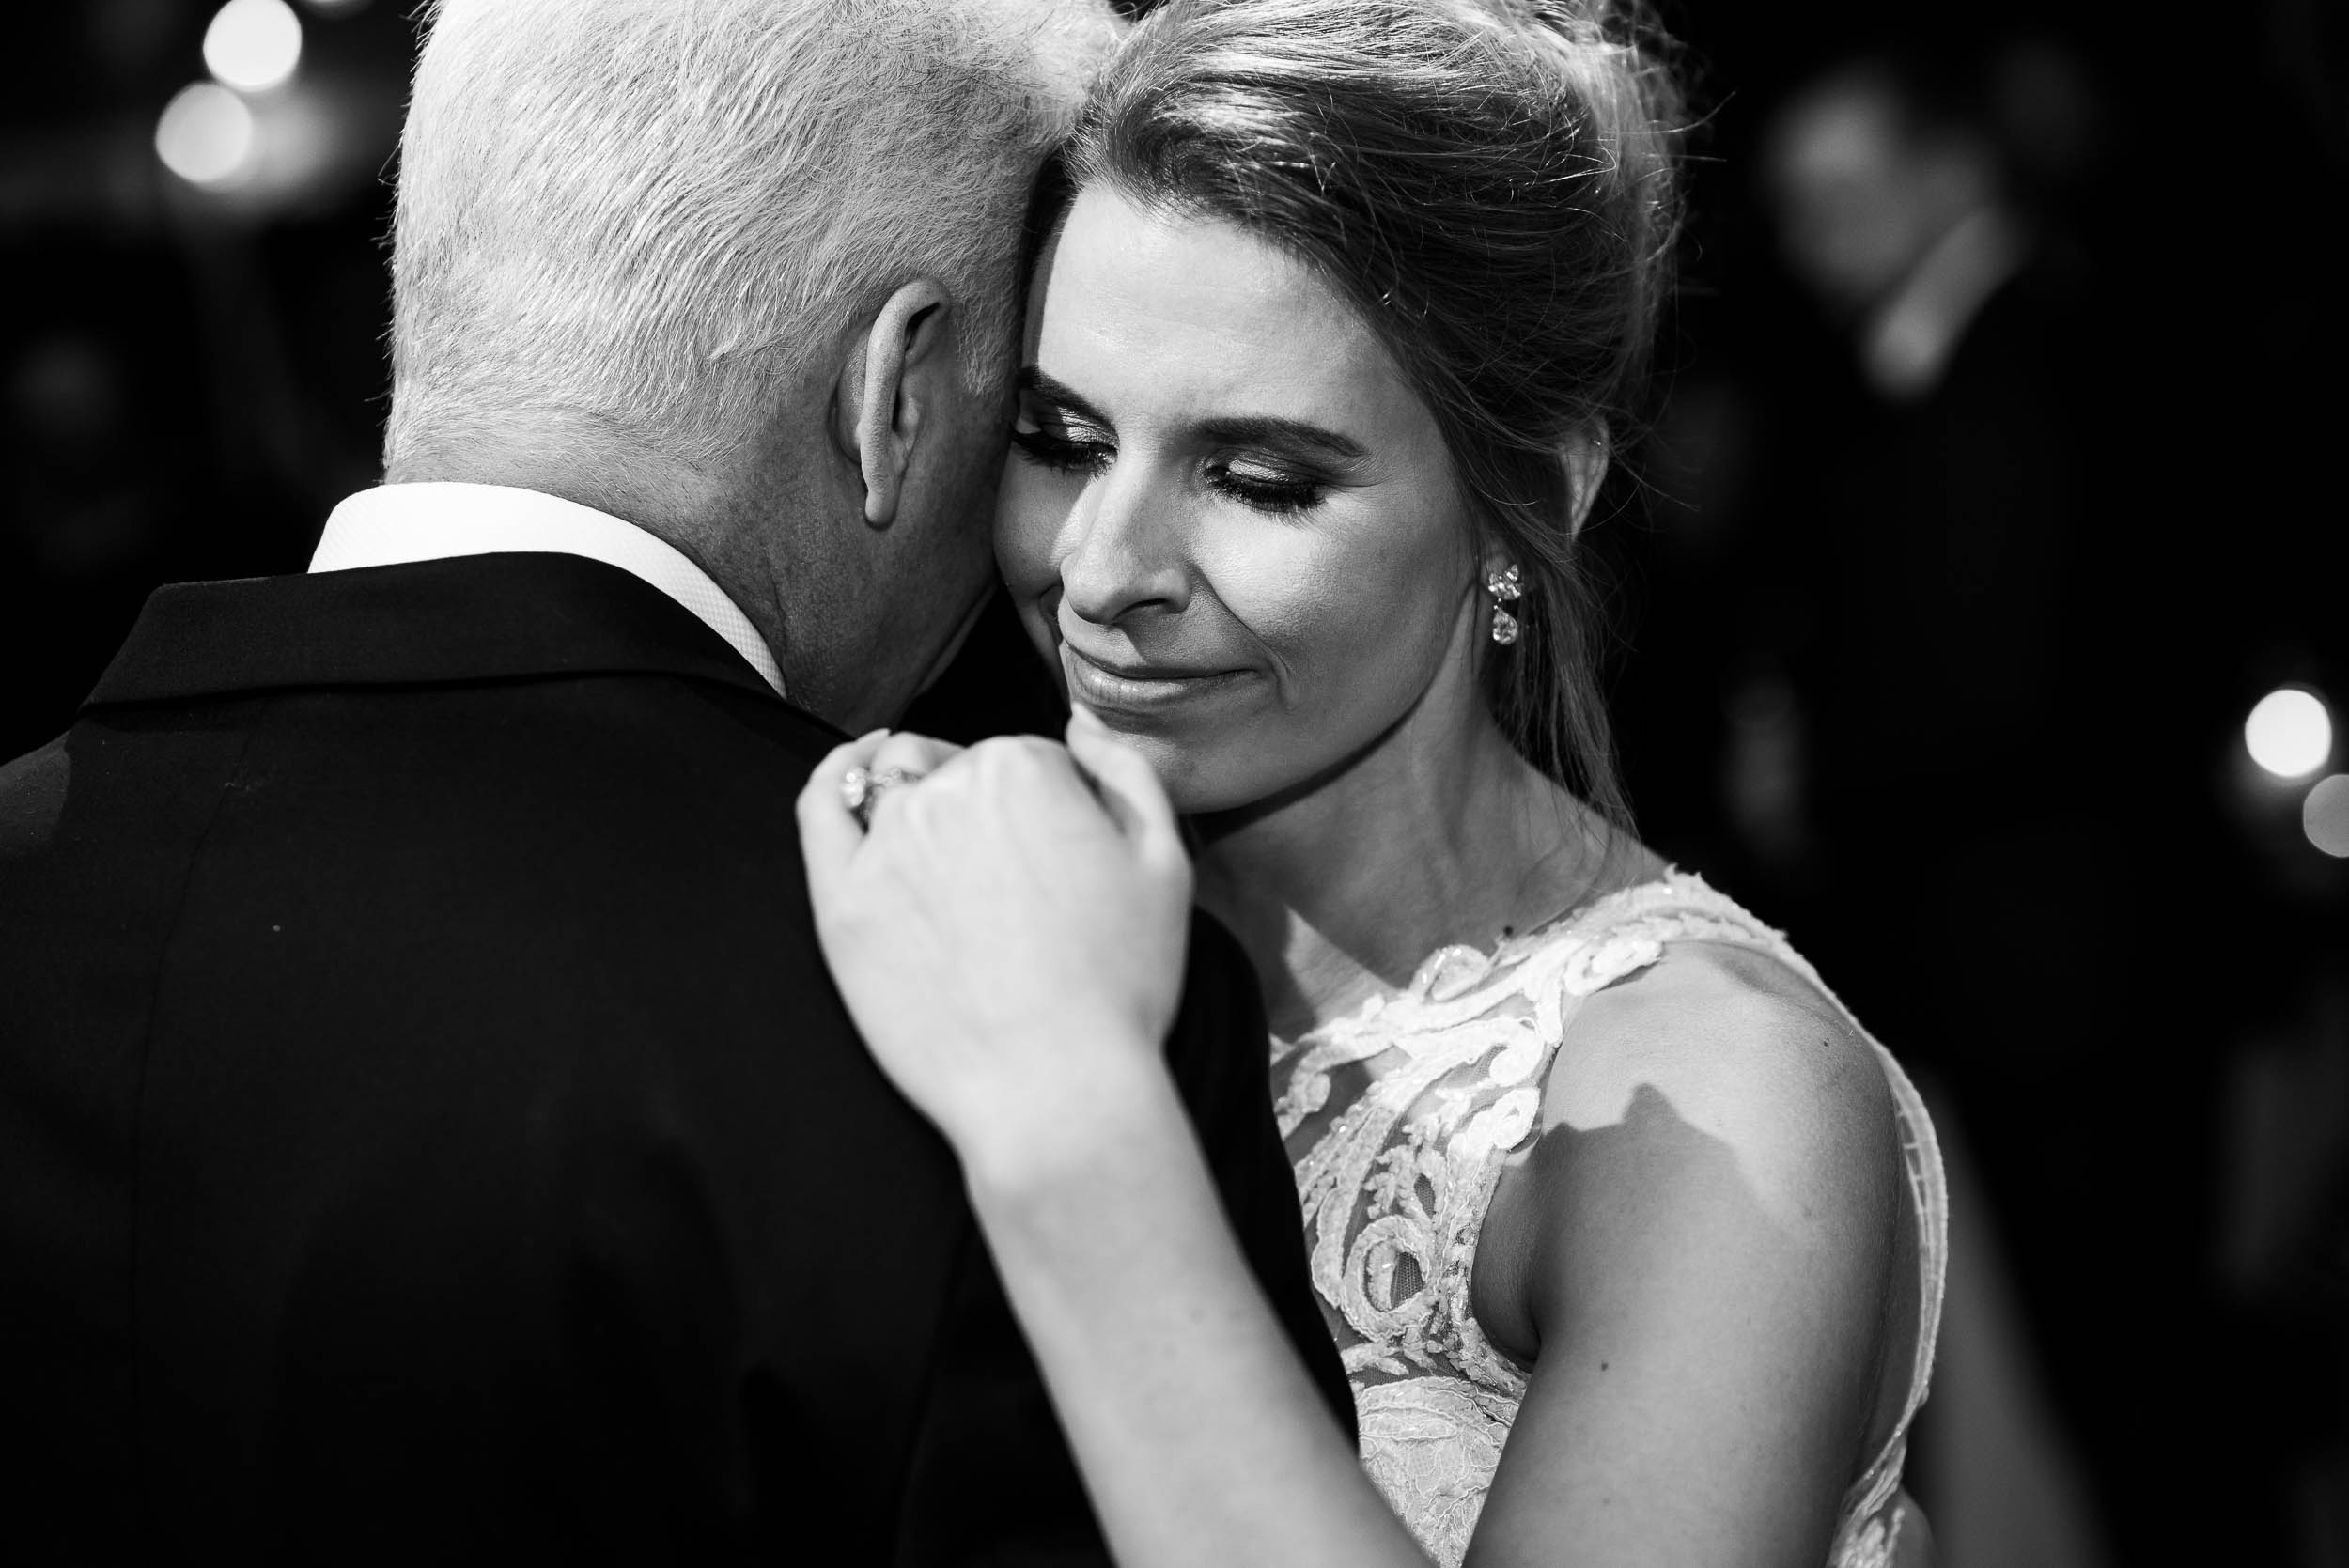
425 1124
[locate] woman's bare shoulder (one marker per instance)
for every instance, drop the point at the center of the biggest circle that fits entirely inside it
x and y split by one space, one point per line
1701 1247
1739 1046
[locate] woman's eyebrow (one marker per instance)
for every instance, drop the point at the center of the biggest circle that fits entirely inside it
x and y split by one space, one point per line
1295 434
1228 431
1034 379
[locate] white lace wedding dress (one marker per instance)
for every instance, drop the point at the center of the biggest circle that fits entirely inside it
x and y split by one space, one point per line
1399 1118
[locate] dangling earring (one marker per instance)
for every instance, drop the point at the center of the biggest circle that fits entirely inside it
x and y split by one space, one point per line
1504 586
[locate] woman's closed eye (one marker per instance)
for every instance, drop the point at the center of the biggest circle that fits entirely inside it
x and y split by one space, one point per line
1253 485
1056 430
1062 449
1264 487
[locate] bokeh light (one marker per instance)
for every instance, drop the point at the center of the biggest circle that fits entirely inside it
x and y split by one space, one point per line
2290 733
205 135
336 8
2325 815
253 45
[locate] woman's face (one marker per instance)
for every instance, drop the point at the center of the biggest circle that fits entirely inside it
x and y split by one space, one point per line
1226 518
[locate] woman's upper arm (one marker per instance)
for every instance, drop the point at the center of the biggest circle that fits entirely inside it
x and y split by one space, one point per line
1707 1261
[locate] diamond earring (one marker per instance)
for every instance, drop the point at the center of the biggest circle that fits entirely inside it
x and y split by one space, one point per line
1505 587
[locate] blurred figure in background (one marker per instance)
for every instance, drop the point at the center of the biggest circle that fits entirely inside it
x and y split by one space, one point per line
1979 673
1897 208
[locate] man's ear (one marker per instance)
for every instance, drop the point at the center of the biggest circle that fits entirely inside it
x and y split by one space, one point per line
888 390
1584 454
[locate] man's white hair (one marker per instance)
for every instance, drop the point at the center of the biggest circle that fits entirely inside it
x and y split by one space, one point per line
643 214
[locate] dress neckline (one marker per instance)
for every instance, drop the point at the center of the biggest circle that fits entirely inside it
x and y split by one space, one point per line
1456 968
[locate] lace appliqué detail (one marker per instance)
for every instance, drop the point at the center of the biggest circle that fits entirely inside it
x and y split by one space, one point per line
1399 1121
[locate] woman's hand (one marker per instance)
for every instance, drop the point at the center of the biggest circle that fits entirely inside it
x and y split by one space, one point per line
1009 936
1008 933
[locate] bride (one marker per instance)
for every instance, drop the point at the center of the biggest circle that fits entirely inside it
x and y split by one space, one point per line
1630 1237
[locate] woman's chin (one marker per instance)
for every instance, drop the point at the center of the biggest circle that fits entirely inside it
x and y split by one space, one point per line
1197 778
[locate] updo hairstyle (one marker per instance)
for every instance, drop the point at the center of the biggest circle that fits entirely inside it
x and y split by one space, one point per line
1492 185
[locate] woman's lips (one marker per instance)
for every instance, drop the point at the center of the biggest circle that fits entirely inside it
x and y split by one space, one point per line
1140 688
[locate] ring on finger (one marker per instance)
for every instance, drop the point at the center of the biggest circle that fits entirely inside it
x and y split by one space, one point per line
860 789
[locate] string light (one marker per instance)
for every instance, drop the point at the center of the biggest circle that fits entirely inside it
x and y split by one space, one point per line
2290 733
2325 815
253 45
205 135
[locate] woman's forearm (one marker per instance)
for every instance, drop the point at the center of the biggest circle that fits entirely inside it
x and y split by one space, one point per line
1201 1438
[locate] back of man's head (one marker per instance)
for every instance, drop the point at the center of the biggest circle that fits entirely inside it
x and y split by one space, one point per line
641 217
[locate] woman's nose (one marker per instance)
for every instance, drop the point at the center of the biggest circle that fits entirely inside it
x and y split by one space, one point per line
1123 552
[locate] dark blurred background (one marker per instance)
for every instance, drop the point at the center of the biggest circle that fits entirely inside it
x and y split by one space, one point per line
1979 605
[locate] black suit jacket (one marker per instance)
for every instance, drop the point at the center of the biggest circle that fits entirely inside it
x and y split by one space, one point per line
427 1125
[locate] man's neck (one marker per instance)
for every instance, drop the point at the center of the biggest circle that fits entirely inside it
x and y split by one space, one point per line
596 464
596 467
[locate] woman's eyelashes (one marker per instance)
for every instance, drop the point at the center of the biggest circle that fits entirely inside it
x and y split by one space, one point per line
1266 490
1065 446
1063 450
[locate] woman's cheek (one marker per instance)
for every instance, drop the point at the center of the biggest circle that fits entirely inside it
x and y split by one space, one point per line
1026 521
1303 614
1335 603
1385 642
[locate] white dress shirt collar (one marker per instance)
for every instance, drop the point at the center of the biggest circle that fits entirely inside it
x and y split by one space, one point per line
394 524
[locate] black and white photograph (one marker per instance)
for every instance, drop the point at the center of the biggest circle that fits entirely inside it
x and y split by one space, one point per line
1175 784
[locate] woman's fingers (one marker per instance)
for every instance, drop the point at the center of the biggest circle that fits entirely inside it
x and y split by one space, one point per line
903 760
892 760
1129 788
918 755
828 832
1042 914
